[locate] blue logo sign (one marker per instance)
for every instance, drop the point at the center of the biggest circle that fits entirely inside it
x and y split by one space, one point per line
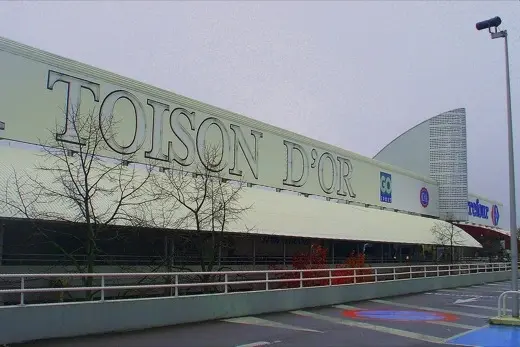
495 216
475 209
424 197
385 187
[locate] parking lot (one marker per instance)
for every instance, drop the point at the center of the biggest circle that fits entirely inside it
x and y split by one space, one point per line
443 317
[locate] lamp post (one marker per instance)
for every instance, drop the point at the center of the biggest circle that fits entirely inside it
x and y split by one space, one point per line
492 25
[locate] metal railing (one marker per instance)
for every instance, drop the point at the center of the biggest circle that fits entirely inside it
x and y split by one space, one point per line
502 309
28 289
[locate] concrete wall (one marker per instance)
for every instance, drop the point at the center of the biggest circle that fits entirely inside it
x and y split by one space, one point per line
36 322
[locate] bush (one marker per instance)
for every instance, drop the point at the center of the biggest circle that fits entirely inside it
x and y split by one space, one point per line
316 259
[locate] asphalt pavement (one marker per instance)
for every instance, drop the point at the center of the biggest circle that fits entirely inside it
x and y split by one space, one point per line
438 318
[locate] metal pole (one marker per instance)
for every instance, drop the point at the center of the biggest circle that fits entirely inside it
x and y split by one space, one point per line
512 189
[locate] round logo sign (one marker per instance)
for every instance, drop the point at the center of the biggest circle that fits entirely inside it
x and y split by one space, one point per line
495 216
424 197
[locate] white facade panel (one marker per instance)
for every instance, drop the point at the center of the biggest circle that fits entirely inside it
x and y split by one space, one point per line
410 150
39 91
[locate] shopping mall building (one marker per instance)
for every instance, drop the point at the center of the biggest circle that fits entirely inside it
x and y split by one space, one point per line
301 191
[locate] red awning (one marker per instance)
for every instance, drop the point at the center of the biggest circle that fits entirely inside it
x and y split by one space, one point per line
480 232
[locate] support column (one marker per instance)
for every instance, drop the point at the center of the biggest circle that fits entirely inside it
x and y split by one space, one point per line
333 252
2 232
283 240
254 251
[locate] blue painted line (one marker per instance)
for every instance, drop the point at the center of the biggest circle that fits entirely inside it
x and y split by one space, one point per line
492 336
400 315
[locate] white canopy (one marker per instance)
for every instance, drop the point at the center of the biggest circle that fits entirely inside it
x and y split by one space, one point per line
272 213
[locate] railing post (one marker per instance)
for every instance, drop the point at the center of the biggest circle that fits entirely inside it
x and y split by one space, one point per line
394 272
424 269
267 281
460 272
330 278
22 294
301 279
355 277
102 288
411 272
176 283
225 283
375 274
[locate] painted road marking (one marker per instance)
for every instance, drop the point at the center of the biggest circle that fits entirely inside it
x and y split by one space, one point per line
466 290
267 323
385 302
453 338
399 315
489 336
255 344
464 295
463 301
393 331
499 284
484 307
346 307
259 343
443 323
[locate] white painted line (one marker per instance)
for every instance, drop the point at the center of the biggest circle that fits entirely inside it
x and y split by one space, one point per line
484 307
464 295
267 323
490 290
346 307
491 287
470 290
385 302
463 301
255 344
449 324
364 325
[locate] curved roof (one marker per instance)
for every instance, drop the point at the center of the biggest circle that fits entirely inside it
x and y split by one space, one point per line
456 110
271 213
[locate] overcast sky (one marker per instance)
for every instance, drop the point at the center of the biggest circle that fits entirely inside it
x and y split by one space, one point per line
355 74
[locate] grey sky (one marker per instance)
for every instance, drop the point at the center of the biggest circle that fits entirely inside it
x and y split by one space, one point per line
354 74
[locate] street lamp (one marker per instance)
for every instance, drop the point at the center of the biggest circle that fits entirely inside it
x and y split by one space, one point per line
492 25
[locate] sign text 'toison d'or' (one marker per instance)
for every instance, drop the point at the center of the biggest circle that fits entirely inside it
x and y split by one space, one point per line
193 132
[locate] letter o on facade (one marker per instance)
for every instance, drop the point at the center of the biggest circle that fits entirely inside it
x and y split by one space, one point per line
106 115
203 148
321 176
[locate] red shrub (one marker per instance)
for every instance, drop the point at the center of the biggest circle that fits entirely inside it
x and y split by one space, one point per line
316 259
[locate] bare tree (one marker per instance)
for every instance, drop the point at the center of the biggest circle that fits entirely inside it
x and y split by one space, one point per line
448 235
73 182
200 202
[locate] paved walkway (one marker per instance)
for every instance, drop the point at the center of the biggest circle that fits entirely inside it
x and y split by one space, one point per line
443 317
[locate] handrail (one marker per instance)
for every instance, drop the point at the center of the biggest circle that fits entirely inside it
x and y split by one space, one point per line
502 310
181 283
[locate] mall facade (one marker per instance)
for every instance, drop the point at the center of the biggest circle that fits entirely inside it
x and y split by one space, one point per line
300 191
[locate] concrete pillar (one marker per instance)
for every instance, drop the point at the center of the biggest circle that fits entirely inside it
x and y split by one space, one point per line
254 251
283 240
2 232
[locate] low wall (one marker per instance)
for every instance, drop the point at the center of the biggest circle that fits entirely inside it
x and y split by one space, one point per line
35 322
